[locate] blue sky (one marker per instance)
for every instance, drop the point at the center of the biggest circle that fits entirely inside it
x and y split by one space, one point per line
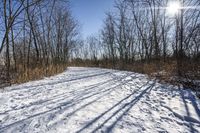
90 14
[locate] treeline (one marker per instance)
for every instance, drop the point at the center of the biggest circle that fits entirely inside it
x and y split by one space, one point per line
143 36
37 37
41 37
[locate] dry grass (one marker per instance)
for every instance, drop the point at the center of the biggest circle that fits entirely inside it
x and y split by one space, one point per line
37 73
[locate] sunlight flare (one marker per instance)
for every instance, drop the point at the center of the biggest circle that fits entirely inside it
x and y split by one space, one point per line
173 7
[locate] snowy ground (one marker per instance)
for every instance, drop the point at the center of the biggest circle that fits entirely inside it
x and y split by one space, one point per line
98 100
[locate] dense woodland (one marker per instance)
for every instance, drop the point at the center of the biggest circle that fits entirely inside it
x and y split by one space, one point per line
40 38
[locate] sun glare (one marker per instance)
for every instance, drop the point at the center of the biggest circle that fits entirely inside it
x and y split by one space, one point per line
173 7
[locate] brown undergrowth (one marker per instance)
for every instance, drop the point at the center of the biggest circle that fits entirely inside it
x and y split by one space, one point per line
29 74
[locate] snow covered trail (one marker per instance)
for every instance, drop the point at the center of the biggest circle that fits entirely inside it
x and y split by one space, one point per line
98 100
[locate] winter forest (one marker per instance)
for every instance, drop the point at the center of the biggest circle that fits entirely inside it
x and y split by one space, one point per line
41 37
42 46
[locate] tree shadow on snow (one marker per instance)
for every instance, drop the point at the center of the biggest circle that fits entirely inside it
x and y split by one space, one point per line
63 106
120 112
187 96
59 82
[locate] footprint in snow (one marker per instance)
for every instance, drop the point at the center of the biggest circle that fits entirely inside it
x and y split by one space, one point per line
20 95
14 107
4 118
37 125
162 102
175 108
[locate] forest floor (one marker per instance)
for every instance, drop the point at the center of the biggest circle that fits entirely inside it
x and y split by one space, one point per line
98 100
